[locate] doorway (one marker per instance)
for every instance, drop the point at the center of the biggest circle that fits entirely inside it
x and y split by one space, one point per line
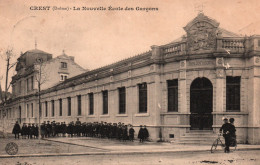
201 98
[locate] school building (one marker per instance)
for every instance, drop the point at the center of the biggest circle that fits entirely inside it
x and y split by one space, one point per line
177 90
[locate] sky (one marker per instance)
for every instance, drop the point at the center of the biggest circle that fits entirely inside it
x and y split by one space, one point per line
99 38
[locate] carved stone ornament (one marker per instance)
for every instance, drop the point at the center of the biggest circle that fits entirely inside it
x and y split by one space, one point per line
220 61
257 60
201 33
220 73
183 64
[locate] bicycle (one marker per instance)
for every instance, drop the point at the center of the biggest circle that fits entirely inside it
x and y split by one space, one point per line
218 142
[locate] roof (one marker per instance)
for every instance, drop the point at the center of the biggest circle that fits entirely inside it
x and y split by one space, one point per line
36 51
226 33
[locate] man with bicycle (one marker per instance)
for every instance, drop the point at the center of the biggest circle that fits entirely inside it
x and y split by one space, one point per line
227 129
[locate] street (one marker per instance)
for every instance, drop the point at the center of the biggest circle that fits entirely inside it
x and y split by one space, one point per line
235 158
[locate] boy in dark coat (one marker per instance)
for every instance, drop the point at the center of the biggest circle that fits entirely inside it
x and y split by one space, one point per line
232 132
16 130
131 133
24 131
141 134
226 133
29 131
146 133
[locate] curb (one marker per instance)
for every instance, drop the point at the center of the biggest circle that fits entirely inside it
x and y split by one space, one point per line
115 153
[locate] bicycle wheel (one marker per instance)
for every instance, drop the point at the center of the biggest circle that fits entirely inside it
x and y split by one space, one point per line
214 146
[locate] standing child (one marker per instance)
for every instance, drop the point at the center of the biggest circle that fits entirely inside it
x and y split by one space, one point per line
131 133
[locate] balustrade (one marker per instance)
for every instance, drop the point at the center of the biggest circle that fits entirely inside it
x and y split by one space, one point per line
175 49
233 45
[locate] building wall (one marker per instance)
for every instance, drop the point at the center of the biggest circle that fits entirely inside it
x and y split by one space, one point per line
214 59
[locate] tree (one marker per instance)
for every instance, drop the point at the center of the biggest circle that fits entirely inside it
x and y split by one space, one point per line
41 78
4 95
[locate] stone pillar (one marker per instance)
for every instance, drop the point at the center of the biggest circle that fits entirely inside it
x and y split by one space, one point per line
157 56
182 88
219 102
157 100
253 101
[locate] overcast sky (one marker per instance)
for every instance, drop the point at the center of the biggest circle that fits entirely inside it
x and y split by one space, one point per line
98 38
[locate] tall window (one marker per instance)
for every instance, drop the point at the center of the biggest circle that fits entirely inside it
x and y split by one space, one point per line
142 98
91 103
32 83
105 101
52 108
46 108
27 84
233 93
69 106
60 103
79 104
32 108
172 95
122 100
27 109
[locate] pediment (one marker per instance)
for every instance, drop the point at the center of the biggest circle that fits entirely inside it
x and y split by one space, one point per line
201 18
201 33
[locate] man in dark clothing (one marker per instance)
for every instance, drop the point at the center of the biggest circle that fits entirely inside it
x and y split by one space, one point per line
33 131
226 133
43 130
146 133
53 128
141 134
77 127
36 131
64 129
232 132
48 128
29 131
16 130
24 131
131 133
124 132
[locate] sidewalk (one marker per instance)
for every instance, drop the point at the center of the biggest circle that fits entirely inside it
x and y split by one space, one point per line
114 147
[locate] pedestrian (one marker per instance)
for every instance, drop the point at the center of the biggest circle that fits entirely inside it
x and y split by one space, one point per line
53 128
232 132
29 131
226 133
124 133
131 133
43 130
16 130
36 131
77 127
33 133
48 127
146 133
141 134
24 131
64 129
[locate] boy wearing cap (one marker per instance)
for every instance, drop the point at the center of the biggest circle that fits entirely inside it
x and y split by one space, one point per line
226 133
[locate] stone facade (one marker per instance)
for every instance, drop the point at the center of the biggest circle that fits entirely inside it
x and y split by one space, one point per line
23 106
207 54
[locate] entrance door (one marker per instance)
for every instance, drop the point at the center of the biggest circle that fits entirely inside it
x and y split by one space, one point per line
201 95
